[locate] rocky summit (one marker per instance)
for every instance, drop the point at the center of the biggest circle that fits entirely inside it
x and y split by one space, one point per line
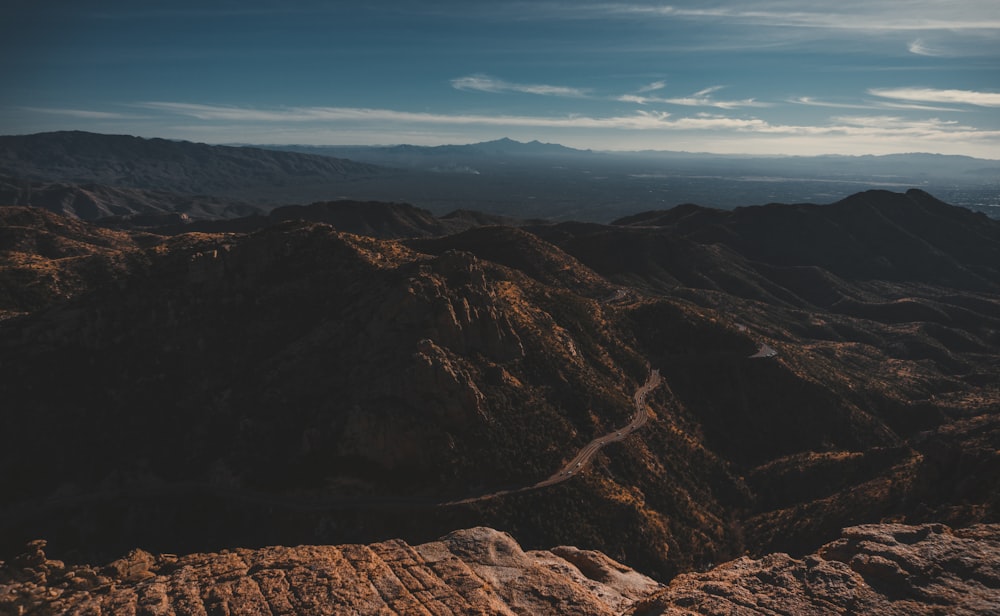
874 569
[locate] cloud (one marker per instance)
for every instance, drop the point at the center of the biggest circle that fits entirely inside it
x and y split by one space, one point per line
640 120
931 95
863 15
83 113
861 133
863 126
920 48
808 100
652 87
701 98
484 83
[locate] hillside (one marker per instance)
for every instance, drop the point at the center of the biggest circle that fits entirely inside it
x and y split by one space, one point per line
299 384
124 206
372 218
122 161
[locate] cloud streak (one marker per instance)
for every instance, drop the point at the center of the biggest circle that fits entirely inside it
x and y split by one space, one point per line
931 95
485 83
702 98
810 101
920 48
879 126
921 15
83 114
652 87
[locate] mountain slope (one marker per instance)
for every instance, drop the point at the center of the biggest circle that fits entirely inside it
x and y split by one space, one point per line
46 259
127 206
175 166
872 235
300 384
371 218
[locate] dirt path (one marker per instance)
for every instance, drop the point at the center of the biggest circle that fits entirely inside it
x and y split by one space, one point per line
586 454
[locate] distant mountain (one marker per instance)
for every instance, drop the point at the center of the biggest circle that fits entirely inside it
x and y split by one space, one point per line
414 154
134 206
501 178
872 235
176 166
453 159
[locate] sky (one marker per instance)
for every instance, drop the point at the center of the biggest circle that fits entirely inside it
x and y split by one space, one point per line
772 77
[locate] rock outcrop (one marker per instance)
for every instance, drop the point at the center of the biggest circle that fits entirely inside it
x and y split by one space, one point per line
871 569
474 571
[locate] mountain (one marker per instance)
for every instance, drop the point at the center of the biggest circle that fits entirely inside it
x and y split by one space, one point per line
883 569
176 166
671 390
441 157
872 235
131 206
47 258
94 175
373 218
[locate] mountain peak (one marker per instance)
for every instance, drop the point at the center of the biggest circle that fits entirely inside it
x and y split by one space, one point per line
511 146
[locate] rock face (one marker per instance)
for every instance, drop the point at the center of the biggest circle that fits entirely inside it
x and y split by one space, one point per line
871 569
475 571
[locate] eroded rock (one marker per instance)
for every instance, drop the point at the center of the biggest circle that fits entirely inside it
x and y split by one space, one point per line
871 569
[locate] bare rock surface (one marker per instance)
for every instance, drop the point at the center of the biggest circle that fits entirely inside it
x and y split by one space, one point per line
871 569
474 571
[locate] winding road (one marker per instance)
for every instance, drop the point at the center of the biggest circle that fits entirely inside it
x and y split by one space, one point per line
182 489
319 503
586 454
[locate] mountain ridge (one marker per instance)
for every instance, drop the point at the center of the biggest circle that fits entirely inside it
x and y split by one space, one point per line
299 363
160 164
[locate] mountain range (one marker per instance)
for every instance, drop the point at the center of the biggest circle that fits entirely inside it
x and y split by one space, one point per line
84 174
676 388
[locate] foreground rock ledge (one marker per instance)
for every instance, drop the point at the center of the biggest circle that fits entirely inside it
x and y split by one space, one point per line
873 569
878 569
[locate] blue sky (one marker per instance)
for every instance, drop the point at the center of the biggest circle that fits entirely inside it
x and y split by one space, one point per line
730 76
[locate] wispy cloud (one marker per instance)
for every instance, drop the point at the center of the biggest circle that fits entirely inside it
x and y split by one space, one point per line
810 101
920 48
931 95
83 113
868 126
485 83
639 120
872 15
653 87
702 98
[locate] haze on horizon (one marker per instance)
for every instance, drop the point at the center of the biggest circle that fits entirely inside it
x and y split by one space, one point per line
726 76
